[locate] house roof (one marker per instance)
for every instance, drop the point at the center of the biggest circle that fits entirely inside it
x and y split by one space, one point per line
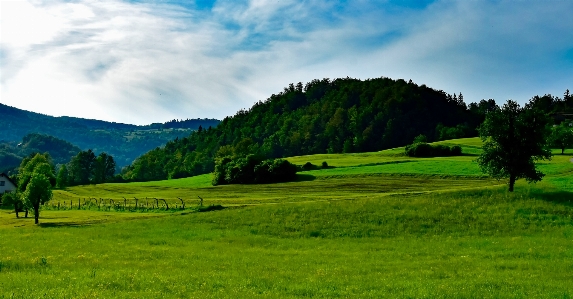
8 178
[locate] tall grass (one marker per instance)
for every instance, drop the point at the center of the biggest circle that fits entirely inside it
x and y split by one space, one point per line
487 244
368 228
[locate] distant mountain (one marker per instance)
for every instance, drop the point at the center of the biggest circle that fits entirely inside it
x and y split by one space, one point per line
11 154
124 142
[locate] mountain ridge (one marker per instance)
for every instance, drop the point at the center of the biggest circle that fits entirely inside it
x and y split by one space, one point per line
124 142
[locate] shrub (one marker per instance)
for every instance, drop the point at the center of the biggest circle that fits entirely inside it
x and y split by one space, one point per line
308 166
422 149
421 139
419 149
252 170
456 150
324 164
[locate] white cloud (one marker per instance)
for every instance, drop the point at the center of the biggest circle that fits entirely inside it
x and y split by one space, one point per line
142 62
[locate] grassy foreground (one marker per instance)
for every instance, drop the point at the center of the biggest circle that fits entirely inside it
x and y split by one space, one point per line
335 234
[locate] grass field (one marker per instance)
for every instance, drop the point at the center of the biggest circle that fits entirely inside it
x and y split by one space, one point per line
376 225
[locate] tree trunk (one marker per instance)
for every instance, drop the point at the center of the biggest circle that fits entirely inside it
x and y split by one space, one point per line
36 213
26 213
16 209
511 182
562 150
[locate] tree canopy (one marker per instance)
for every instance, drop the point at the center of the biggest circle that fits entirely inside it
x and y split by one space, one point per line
35 181
514 139
322 116
87 168
562 136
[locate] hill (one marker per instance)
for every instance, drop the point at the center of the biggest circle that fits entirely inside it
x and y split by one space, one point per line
124 142
323 116
11 155
374 225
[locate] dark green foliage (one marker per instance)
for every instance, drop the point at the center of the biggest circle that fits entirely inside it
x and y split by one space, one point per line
13 199
81 167
12 153
87 168
421 139
40 162
60 150
422 149
456 150
252 170
35 181
459 131
514 139
103 169
324 164
308 166
323 116
123 141
8 160
562 136
62 180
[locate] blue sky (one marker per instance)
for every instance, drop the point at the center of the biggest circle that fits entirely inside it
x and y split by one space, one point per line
152 61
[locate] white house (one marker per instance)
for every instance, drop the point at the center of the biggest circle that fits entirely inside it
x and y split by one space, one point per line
6 184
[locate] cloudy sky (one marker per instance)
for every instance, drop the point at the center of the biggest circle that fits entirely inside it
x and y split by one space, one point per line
152 61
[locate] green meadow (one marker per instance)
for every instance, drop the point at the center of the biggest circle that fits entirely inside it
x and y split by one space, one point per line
372 225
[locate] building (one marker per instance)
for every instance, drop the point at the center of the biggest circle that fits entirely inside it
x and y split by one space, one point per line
6 184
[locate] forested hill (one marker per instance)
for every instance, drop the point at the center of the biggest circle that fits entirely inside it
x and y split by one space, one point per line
11 155
124 142
323 116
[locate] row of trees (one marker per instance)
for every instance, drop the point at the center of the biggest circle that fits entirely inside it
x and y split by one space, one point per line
36 178
87 168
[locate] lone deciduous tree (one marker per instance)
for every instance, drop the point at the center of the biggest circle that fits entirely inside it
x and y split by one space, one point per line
514 139
38 191
562 136
35 181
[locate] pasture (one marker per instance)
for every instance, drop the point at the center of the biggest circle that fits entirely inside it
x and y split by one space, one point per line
374 225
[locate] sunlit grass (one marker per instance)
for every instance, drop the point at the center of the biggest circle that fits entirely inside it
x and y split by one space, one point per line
376 225
486 244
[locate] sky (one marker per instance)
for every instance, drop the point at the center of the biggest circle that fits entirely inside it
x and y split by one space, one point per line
152 61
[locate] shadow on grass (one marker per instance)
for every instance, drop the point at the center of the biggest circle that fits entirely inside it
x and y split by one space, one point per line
304 177
559 197
210 208
68 224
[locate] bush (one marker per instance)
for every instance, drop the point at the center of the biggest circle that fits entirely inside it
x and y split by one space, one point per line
308 166
456 150
324 164
421 139
252 170
419 149
422 149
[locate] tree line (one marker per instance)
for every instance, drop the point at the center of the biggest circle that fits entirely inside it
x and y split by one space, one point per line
124 142
327 116
322 116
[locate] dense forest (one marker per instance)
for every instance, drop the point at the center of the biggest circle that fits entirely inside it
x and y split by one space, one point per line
322 116
11 154
124 142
